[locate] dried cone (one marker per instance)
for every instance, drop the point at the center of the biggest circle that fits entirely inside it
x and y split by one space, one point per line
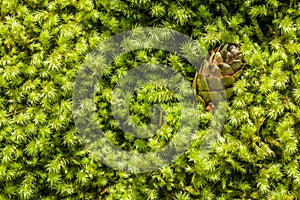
214 80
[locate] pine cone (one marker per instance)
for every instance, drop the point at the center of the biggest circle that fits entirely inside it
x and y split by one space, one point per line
214 80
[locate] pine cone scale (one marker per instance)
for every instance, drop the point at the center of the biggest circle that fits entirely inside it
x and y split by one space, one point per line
217 74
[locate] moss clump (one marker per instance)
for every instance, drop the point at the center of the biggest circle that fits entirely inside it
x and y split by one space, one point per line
42 45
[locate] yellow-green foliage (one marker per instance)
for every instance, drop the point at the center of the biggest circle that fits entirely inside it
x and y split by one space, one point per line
44 42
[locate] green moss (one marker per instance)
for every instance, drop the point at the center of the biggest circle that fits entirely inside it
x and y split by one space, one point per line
42 46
